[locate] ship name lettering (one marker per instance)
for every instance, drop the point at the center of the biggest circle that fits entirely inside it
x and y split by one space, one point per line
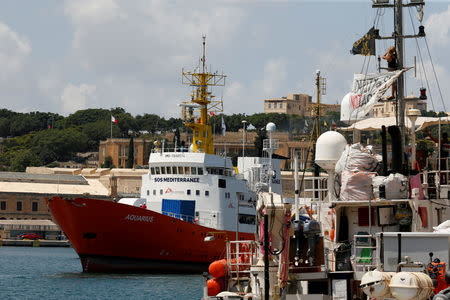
139 218
176 179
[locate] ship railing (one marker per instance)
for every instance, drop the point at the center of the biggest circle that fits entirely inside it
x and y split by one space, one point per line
240 257
316 188
177 149
187 218
433 178
363 253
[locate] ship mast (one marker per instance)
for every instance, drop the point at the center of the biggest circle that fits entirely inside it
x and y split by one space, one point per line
399 36
195 112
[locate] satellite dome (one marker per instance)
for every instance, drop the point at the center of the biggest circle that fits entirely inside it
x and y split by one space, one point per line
329 148
271 127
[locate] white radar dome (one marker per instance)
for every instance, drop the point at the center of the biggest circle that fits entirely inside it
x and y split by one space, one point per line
329 148
271 127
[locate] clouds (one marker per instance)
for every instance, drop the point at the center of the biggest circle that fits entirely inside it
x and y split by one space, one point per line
437 27
74 98
130 54
14 52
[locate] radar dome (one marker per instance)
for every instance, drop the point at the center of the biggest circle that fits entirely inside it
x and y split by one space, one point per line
329 148
271 127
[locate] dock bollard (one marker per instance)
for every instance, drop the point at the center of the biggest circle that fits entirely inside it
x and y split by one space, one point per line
36 243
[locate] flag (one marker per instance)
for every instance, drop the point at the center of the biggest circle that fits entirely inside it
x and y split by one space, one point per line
365 45
212 113
114 119
224 127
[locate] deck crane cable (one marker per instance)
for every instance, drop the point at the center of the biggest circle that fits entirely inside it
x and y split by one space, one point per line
421 61
435 75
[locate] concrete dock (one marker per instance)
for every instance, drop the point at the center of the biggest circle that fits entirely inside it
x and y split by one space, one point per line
34 243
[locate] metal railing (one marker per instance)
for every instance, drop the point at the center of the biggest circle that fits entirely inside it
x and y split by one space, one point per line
364 253
187 218
240 257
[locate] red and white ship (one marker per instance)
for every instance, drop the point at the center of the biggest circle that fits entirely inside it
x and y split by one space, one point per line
194 201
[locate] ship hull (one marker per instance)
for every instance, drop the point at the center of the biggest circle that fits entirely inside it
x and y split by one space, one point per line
114 237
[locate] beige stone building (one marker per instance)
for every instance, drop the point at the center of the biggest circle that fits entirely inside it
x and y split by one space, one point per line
388 108
117 148
297 104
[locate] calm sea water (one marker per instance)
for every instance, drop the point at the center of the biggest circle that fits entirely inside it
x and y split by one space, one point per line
55 273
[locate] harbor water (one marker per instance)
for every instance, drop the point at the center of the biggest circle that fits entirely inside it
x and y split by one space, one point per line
55 273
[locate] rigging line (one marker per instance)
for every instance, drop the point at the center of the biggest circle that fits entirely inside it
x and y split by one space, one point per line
417 45
435 75
422 63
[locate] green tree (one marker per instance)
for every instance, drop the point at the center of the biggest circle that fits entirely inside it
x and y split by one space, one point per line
130 159
23 158
108 163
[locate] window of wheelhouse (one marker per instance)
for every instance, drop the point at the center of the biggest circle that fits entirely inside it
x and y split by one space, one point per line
194 171
157 171
169 170
180 170
222 183
152 170
200 171
163 170
187 170
174 170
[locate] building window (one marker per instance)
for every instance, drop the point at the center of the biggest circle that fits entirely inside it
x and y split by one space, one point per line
206 193
188 192
269 105
197 193
19 205
275 105
34 206
281 105
3 205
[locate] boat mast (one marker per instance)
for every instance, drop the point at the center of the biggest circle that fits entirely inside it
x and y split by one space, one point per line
201 103
399 37
398 34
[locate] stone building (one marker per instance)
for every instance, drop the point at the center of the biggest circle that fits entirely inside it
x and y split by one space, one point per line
388 108
117 149
297 104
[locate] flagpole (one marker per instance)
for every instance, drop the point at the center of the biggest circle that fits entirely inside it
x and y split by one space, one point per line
111 125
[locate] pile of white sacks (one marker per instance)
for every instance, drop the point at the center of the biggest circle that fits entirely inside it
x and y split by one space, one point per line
359 180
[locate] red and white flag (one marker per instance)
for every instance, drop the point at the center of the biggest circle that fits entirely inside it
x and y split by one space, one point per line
212 113
114 119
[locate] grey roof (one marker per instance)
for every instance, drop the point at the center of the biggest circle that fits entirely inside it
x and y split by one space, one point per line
42 178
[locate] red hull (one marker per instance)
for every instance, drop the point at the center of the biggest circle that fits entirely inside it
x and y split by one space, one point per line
114 237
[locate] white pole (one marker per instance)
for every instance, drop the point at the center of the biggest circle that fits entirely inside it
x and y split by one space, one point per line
413 143
110 120
297 218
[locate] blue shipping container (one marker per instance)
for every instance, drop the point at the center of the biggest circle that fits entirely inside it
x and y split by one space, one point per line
180 209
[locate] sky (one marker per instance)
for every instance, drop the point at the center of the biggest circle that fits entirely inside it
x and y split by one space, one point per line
63 56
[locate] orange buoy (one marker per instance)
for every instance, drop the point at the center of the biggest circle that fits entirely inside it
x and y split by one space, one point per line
213 287
218 268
